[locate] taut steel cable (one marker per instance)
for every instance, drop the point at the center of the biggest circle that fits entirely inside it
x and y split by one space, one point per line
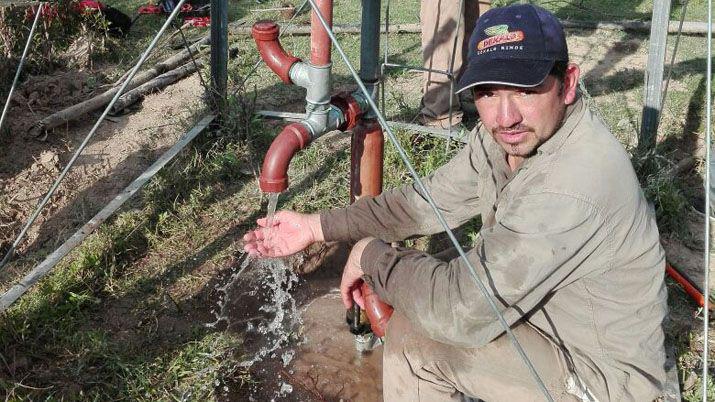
708 141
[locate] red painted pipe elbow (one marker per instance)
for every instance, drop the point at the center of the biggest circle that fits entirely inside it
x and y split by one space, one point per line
378 312
274 175
265 33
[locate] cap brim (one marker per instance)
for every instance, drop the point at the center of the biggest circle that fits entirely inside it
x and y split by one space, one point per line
511 72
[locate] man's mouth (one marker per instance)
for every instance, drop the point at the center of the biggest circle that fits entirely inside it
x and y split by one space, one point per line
513 137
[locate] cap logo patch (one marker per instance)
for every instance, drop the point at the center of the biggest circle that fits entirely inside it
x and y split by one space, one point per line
497 30
499 34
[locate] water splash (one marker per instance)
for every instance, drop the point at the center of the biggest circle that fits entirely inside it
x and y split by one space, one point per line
284 390
221 314
281 329
267 286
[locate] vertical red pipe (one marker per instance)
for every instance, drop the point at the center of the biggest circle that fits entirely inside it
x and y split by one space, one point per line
366 158
319 39
366 155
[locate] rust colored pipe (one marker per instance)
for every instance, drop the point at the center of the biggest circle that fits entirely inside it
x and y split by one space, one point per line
691 289
266 33
366 154
377 311
366 157
274 175
319 39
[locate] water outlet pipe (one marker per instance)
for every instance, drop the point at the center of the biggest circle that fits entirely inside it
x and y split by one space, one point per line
266 34
274 174
323 113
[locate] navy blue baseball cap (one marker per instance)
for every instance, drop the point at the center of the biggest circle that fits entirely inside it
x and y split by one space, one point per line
515 45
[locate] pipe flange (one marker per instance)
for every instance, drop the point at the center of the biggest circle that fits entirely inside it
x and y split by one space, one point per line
265 30
350 107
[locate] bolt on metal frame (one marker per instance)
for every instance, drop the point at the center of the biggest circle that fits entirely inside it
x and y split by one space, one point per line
387 65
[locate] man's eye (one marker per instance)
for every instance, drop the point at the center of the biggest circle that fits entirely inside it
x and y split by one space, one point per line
526 92
483 94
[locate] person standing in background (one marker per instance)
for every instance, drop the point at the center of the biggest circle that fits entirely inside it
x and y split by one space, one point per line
439 20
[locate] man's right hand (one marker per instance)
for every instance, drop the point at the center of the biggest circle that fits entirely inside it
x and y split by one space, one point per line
289 233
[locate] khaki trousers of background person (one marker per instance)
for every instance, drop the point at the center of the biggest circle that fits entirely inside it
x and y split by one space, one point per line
416 368
438 19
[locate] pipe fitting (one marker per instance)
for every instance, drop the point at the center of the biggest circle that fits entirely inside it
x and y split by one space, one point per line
351 109
274 174
316 117
363 103
315 79
323 120
266 33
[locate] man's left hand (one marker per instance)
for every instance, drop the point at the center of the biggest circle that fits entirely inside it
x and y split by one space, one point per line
352 276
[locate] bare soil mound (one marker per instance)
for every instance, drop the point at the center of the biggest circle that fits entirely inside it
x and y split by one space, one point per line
120 150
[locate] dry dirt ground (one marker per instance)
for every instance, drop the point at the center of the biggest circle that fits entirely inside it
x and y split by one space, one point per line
122 148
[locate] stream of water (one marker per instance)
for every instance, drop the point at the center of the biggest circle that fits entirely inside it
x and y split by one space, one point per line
272 203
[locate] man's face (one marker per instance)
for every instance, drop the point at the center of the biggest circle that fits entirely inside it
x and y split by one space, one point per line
521 119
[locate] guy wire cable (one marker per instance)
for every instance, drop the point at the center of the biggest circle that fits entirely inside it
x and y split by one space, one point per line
19 67
428 196
708 156
89 136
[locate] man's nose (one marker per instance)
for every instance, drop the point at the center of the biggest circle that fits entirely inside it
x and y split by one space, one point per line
508 114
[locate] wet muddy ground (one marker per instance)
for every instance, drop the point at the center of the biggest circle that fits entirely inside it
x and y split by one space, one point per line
297 343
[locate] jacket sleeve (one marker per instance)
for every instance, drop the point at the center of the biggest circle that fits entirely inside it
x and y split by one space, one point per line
404 212
540 240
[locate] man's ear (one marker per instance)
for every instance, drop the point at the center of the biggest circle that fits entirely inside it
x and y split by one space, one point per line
573 72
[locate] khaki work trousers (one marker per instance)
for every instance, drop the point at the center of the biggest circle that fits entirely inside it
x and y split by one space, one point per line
438 19
416 368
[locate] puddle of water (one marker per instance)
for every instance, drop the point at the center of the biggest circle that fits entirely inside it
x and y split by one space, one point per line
328 364
293 353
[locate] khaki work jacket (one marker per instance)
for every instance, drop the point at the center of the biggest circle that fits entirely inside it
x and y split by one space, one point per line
568 243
